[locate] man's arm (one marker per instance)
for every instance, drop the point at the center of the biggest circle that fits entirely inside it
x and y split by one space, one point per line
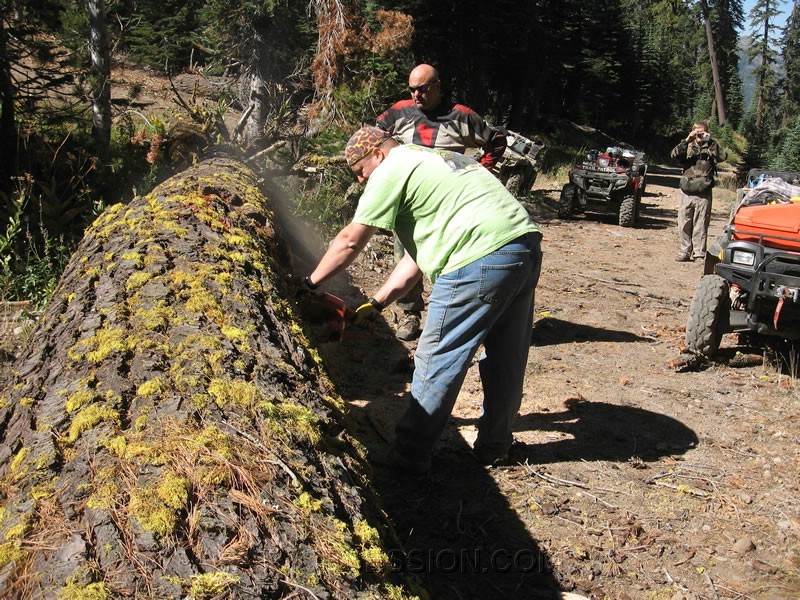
481 135
494 148
400 281
679 151
398 114
342 252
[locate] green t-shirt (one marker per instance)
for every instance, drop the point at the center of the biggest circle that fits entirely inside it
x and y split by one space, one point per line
446 209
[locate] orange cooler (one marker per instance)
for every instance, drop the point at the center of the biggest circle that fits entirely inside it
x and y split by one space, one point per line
777 224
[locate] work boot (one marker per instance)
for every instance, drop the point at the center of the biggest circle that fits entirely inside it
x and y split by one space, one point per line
390 458
409 327
515 455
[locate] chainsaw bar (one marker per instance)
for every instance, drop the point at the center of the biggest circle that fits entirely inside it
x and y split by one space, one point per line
331 320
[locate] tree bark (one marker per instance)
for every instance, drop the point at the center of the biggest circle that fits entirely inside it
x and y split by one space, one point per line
8 127
719 99
257 109
101 76
169 433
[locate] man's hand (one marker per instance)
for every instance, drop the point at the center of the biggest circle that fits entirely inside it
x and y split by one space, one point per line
306 287
367 312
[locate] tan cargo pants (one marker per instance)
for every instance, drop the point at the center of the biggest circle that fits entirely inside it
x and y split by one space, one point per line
694 216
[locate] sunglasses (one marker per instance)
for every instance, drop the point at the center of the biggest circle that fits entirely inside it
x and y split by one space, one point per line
421 89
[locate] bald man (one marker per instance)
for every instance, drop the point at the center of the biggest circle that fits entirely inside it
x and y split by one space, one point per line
426 119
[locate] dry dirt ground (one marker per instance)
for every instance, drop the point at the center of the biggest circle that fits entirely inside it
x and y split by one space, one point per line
639 474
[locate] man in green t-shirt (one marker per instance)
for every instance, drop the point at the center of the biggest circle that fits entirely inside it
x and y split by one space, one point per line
481 251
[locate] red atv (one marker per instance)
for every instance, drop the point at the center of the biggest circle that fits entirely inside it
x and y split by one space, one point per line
612 181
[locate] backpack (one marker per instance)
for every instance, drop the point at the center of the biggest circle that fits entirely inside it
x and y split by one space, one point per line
698 178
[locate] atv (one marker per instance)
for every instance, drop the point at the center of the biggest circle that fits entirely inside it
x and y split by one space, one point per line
751 284
517 168
612 181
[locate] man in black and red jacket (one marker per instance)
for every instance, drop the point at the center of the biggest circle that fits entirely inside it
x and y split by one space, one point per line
427 120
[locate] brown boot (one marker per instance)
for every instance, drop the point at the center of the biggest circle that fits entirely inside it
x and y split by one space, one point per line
409 327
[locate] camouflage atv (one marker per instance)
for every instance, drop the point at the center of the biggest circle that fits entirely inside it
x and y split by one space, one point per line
518 166
612 181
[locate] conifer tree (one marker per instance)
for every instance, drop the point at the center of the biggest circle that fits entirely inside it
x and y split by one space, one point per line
719 96
161 32
8 128
763 54
791 65
23 38
788 157
726 19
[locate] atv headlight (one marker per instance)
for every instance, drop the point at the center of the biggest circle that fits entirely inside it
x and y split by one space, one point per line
742 257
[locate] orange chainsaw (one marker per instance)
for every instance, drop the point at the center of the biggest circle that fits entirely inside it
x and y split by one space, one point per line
331 320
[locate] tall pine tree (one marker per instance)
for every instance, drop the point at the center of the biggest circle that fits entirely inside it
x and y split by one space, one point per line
763 54
791 64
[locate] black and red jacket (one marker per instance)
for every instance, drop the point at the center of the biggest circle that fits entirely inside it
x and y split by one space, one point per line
449 127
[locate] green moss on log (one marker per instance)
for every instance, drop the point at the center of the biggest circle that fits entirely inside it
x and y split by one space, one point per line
188 402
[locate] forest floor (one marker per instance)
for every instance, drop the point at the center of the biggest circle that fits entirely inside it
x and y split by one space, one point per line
638 473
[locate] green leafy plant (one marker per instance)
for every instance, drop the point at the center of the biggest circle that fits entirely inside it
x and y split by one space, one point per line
13 225
43 267
328 200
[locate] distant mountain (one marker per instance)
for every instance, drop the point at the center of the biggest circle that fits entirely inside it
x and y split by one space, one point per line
746 71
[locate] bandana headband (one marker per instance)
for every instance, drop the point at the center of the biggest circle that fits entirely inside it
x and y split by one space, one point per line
362 142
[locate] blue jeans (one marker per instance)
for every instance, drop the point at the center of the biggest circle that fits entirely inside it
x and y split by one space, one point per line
489 302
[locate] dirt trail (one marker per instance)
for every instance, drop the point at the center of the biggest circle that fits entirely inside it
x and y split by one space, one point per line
639 477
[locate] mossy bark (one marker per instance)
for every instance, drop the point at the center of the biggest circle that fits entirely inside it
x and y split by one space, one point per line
169 433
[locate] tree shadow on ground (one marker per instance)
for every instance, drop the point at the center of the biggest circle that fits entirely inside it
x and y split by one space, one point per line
601 431
665 176
653 216
457 533
550 332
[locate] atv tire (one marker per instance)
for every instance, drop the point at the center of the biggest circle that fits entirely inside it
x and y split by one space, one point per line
709 315
514 185
567 200
627 211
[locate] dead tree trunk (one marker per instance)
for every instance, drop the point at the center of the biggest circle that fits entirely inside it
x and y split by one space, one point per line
101 72
169 433
719 99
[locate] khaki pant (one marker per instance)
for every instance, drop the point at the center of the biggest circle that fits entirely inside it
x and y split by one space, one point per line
412 301
694 216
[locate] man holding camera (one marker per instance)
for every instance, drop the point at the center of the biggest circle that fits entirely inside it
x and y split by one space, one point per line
699 154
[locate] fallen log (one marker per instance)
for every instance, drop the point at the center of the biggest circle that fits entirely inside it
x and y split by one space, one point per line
169 432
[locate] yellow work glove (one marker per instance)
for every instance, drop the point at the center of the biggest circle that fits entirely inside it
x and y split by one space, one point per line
367 312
